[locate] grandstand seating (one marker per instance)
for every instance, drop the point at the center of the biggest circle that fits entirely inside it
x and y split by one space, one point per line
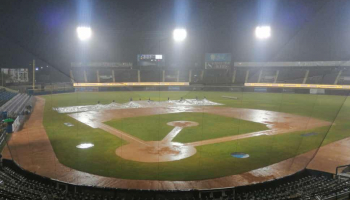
344 79
216 76
16 105
5 96
151 75
124 75
16 184
315 75
305 188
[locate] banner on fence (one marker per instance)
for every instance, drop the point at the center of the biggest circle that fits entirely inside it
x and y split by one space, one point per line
125 84
292 85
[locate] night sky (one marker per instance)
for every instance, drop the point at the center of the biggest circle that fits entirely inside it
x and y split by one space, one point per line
302 30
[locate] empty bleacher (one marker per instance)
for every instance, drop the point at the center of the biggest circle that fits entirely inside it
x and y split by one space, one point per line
344 78
309 187
16 105
268 76
294 75
328 75
317 76
78 75
151 75
217 76
124 75
240 76
5 96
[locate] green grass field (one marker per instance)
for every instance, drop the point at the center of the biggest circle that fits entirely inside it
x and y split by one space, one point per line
154 128
210 161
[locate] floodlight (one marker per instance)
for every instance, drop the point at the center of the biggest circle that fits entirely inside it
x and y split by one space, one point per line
262 32
84 33
179 34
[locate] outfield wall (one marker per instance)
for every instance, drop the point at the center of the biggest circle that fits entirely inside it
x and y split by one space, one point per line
58 90
225 88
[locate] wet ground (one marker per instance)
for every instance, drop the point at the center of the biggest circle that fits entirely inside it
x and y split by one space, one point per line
165 150
31 148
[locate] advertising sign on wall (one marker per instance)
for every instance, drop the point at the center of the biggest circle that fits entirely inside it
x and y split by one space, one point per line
217 61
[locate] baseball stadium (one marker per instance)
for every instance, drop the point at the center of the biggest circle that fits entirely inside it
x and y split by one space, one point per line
175 100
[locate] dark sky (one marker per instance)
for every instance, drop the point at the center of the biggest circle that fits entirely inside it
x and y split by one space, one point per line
302 30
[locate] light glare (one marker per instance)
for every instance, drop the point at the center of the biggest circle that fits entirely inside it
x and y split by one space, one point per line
84 33
85 145
179 34
263 32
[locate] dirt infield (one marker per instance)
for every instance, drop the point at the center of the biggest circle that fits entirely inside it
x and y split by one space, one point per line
166 150
159 151
31 148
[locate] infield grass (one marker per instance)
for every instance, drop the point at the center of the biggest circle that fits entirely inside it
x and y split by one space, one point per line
155 128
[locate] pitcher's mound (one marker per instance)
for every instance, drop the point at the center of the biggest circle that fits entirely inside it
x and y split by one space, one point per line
155 151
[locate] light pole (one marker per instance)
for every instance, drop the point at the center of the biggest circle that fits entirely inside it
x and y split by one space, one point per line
33 75
179 35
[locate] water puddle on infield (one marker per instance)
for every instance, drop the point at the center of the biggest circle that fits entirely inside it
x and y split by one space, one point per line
85 145
239 155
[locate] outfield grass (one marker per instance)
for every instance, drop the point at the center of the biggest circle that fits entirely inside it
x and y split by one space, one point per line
155 128
211 160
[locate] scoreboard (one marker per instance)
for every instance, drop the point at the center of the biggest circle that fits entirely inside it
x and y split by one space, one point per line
150 60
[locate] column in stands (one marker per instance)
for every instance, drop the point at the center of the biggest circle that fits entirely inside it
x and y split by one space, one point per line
246 76
71 76
202 75
33 74
138 76
178 76
306 76
113 76
338 76
190 76
234 75
260 73
85 77
163 76
276 76
98 76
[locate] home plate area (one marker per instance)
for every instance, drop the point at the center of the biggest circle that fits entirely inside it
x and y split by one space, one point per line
159 151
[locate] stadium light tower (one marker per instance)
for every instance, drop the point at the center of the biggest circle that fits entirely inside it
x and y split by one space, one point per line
263 32
179 34
84 33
